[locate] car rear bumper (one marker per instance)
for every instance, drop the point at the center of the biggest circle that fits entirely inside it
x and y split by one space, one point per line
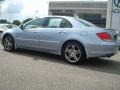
105 50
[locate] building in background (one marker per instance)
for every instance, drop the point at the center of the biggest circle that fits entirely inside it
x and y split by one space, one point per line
93 11
113 15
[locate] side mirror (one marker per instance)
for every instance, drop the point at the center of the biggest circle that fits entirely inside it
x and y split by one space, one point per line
22 27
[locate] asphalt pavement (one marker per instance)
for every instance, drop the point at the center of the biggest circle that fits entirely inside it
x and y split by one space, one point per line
30 70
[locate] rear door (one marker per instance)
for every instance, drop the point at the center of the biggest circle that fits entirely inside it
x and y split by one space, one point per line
51 36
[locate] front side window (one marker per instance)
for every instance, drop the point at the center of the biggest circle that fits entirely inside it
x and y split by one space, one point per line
37 23
32 24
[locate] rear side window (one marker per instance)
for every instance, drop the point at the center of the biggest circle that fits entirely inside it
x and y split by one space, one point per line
85 23
65 24
54 22
58 22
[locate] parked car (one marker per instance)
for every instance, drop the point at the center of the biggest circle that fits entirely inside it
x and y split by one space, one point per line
73 38
4 27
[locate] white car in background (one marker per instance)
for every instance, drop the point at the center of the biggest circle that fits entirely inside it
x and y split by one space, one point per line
4 27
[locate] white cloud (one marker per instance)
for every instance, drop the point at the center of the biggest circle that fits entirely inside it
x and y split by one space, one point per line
21 9
35 8
14 7
11 9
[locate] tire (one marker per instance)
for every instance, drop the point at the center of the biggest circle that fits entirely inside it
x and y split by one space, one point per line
74 53
8 43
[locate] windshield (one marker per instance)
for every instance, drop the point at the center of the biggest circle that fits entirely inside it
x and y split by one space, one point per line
84 22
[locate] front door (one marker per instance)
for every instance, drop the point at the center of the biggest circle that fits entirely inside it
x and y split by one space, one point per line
29 35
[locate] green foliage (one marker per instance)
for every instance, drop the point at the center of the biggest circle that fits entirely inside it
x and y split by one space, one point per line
3 21
16 22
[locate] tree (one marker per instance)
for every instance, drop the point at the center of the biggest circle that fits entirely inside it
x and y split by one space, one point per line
4 21
16 22
26 20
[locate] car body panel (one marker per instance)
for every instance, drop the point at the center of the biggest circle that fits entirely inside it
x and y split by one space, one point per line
27 38
52 39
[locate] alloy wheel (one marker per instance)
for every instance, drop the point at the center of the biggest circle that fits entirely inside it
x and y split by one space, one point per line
73 53
8 43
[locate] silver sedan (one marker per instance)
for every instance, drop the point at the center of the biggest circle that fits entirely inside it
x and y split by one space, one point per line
73 38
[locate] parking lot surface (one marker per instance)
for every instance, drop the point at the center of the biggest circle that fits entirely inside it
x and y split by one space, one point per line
30 70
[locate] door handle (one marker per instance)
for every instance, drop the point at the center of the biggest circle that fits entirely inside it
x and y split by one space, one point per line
62 31
36 32
17 34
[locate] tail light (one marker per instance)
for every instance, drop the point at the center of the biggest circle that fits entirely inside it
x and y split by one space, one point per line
104 36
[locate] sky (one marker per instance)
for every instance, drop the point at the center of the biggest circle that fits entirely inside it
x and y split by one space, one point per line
22 9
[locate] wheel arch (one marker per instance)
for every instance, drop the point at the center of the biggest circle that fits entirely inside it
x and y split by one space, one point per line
6 35
72 40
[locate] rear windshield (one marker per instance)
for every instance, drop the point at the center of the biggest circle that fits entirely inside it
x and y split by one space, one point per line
84 22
